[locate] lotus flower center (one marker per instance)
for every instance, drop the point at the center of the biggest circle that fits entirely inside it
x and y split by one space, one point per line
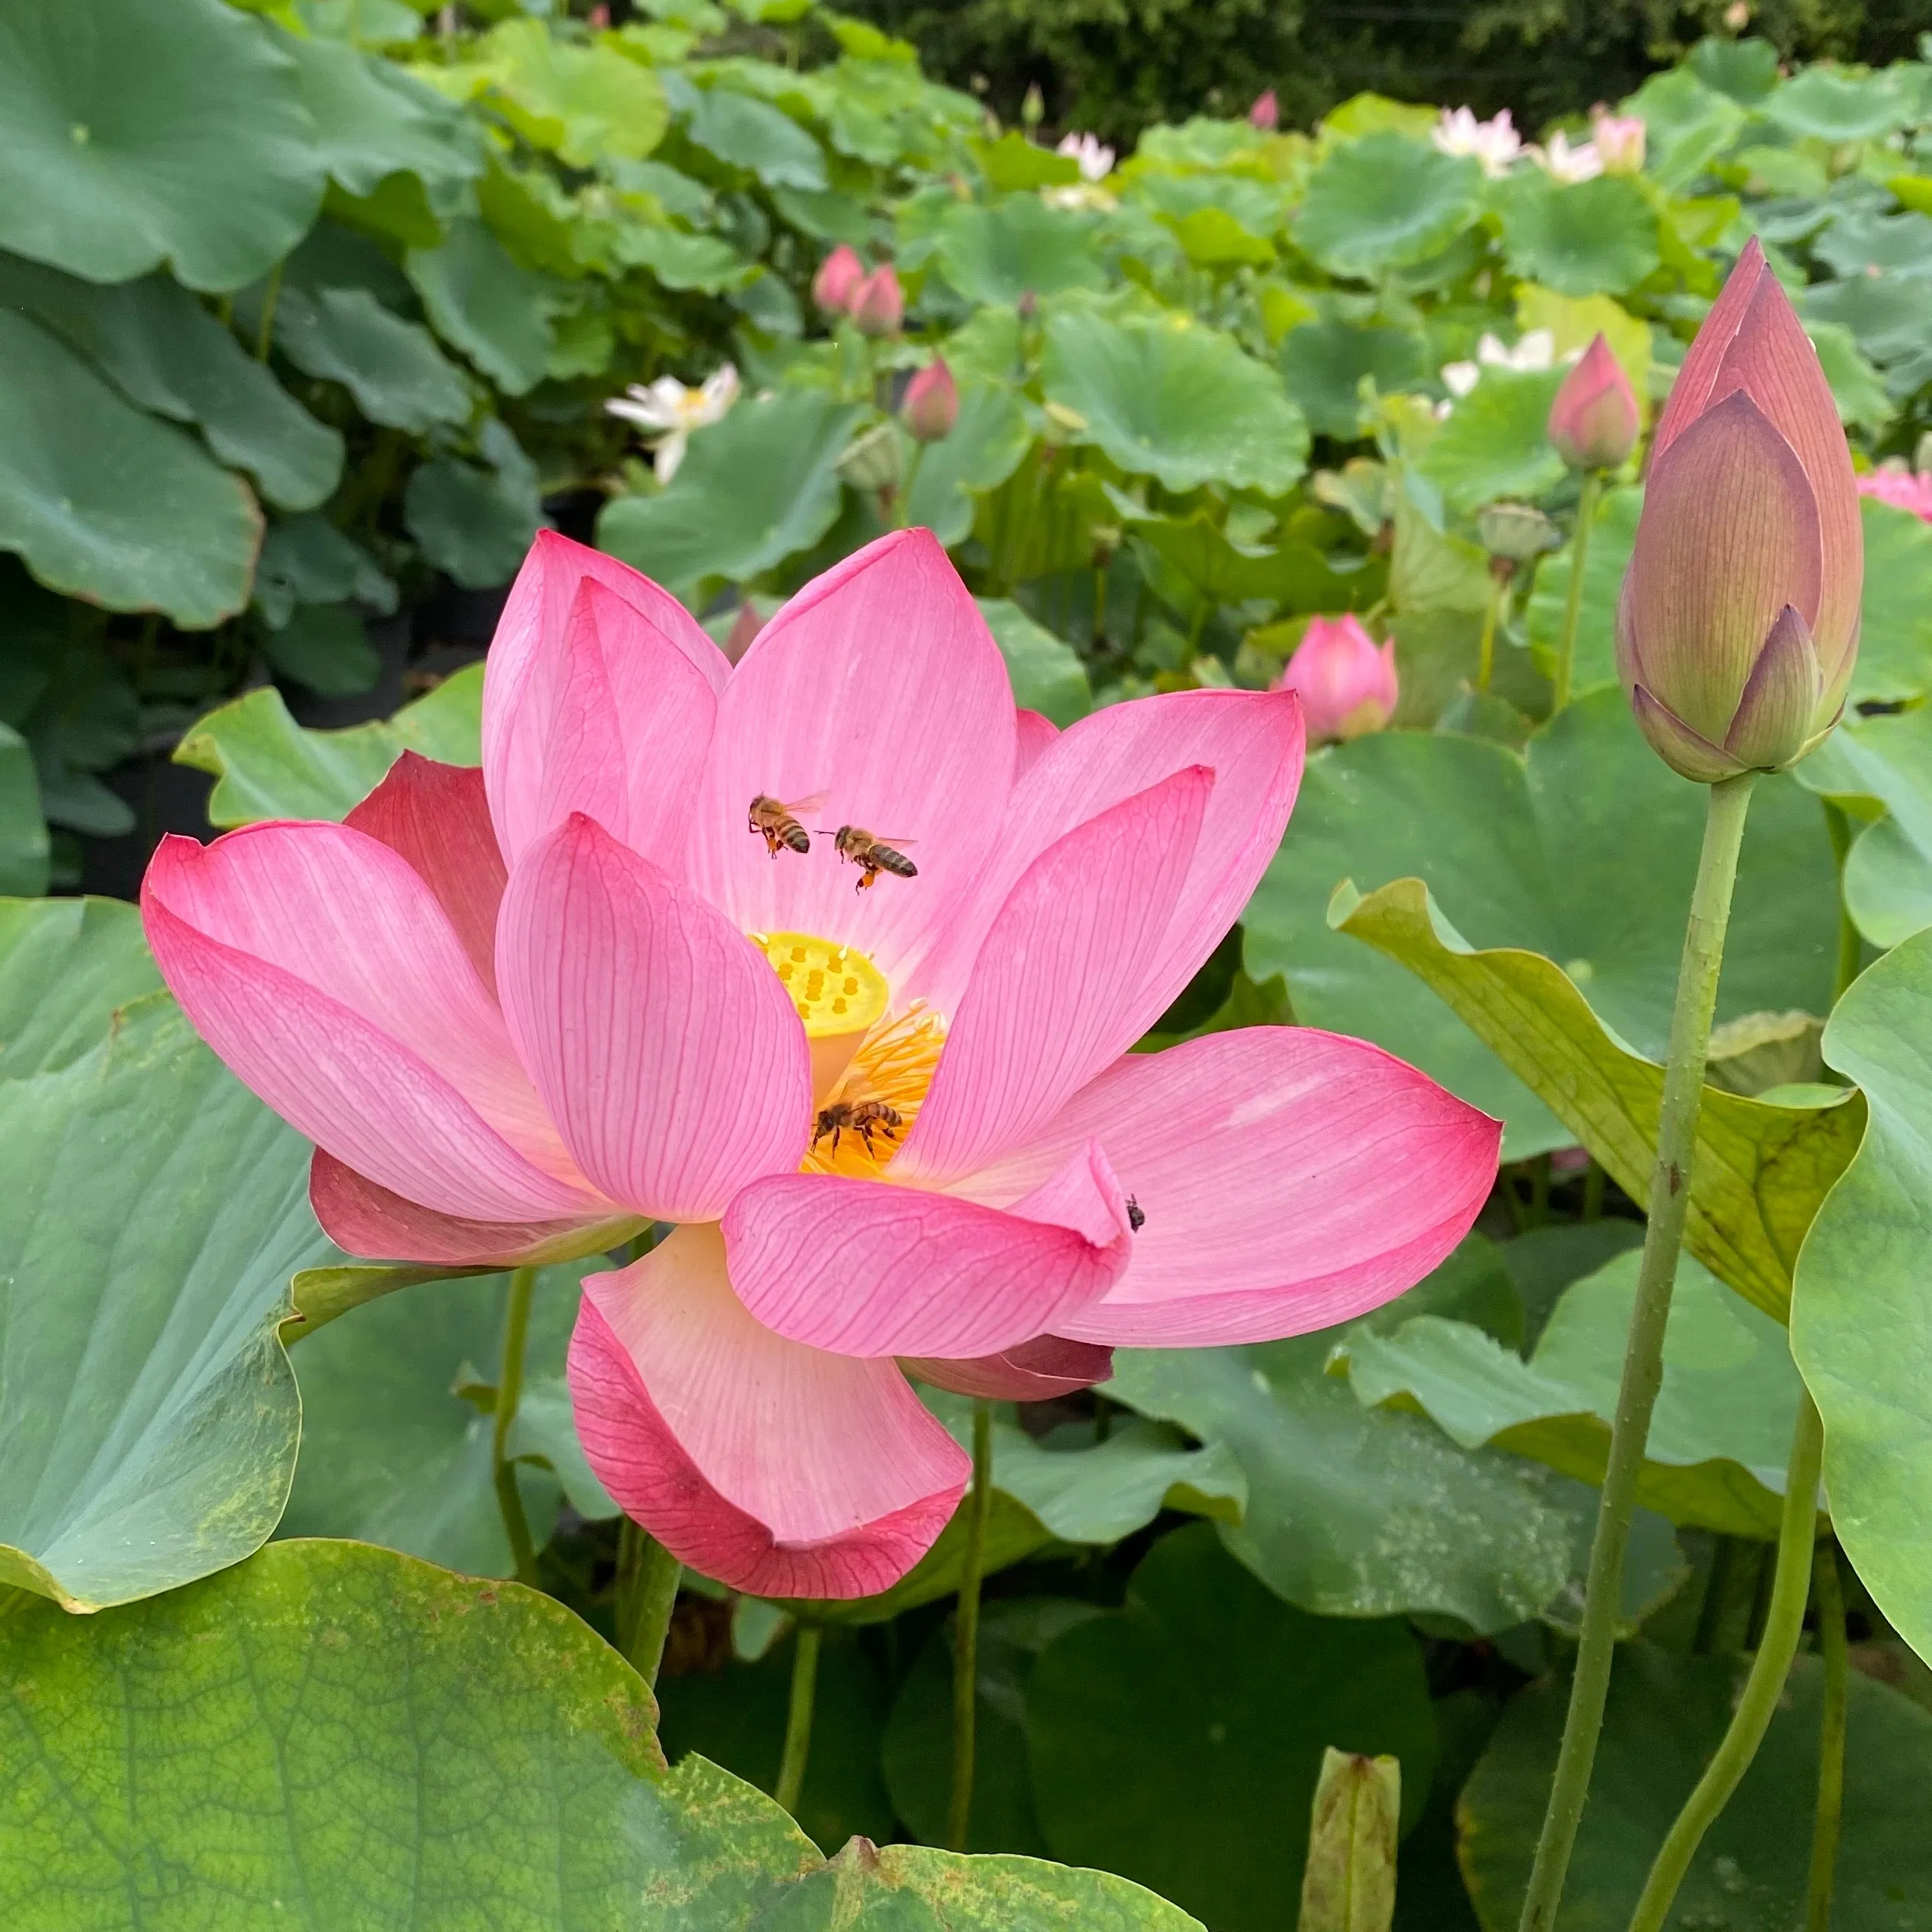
870 1069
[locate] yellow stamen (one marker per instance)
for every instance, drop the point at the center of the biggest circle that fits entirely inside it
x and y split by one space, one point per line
894 1067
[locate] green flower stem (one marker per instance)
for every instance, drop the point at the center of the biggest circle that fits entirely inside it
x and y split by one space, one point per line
509 1393
1643 1353
1828 1593
1486 652
798 1718
1851 954
264 331
1797 1534
902 496
647 1579
1580 550
966 1629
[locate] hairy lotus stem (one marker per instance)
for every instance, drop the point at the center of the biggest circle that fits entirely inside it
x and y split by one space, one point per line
1797 1534
966 1629
902 496
798 1718
1572 606
1493 611
1643 1352
509 1393
1828 1593
647 1579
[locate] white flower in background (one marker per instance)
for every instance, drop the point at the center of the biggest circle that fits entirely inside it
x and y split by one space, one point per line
1533 352
1564 162
673 411
1495 143
1097 163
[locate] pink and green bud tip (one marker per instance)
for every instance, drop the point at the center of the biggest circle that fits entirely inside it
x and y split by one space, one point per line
1594 421
838 277
932 402
1738 624
1347 686
878 304
1265 114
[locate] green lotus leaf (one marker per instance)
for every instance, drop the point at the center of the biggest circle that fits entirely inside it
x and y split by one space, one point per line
499 315
752 490
1747 70
1180 403
266 766
152 1436
1257 207
1612 538
23 833
1047 672
750 134
1210 1702
1888 319
306 559
1828 103
147 134
162 350
393 368
983 448
1211 238
1014 163
1856 385
66 965
579 103
1582 851
1496 442
1385 202
997 254
1895 664
476 520
1593 238
1324 364
325 647
1887 881
1686 126
683 261
1859 1325
105 503
1665 1717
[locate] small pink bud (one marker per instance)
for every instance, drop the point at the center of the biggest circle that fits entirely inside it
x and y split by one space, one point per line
1266 112
1594 421
878 303
1738 624
1347 686
932 402
1619 140
838 275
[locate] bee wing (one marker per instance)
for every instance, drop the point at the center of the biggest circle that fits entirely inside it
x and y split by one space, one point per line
813 803
893 839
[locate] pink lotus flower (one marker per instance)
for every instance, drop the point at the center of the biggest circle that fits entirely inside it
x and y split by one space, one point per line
527 1010
1593 419
1619 140
1902 489
932 402
838 277
1265 114
1347 686
878 303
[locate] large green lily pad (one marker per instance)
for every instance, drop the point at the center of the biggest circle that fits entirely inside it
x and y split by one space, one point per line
1886 759
997 255
153 1213
1385 202
23 832
1895 629
1583 850
1174 401
266 766
393 368
1862 1309
983 448
1665 1717
388 1744
140 134
1496 442
65 966
1612 538
1205 1706
1594 238
497 313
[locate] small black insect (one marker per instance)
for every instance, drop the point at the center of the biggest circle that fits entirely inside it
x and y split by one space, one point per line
1136 1218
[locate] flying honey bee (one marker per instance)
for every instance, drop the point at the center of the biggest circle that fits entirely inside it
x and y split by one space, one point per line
777 823
872 855
863 1118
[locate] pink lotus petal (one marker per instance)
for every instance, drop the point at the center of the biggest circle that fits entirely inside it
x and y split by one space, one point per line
664 1044
1061 989
630 719
1036 732
437 817
1253 742
527 657
880 687
1036 1371
319 967
775 1468
1288 1180
363 1219
870 1270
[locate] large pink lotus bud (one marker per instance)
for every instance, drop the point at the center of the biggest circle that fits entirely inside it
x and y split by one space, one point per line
1265 114
1619 140
839 275
932 402
1593 421
1347 686
878 303
1739 623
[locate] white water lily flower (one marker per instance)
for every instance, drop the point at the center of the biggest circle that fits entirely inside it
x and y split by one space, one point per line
1495 143
1533 352
1563 162
1096 161
668 407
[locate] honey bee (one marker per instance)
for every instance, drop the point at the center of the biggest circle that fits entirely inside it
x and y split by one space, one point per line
872 855
1136 1216
863 1118
777 823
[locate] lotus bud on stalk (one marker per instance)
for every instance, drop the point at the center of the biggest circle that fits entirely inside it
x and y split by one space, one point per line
878 303
1514 534
931 406
1347 684
1738 624
1348 1883
1265 114
838 277
1594 421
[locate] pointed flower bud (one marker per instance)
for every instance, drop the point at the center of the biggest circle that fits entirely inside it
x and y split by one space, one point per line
1347 686
1265 114
1348 1883
1593 421
1738 624
878 304
839 275
932 402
